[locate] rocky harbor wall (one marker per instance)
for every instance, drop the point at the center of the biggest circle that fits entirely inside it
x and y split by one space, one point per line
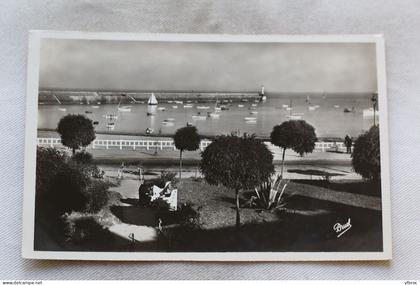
105 97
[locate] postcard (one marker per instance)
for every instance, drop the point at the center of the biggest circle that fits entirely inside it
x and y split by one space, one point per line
206 147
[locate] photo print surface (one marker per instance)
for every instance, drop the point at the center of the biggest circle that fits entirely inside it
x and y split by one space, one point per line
190 147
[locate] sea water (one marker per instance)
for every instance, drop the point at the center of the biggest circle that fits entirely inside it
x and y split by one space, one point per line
325 113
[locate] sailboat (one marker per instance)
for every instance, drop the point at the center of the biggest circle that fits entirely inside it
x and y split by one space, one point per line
123 108
216 112
152 100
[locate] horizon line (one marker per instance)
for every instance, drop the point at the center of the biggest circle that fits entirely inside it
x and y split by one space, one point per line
195 91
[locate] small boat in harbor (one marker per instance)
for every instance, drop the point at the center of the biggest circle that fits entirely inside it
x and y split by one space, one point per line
285 106
199 117
251 121
110 117
88 112
311 108
170 102
170 119
174 107
240 106
110 126
167 123
188 106
152 100
124 109
62 109
254 105
256 101
203 107
179 102
213 115
348 110
189 124
224 107
253 112
250 118
297 116
336 106
95 107
161 109
244 100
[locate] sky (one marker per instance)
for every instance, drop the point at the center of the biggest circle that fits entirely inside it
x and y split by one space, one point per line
230 67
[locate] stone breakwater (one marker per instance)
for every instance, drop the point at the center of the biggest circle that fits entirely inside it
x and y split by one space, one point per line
108 97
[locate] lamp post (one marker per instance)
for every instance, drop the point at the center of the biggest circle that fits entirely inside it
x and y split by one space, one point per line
156 141
374 101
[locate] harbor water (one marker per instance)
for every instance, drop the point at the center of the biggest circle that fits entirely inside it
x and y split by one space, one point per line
331 116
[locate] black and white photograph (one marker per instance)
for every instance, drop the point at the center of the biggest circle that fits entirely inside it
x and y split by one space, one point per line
195 147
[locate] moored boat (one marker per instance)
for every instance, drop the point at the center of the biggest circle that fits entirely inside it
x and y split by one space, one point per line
110 126
250 118
168 124
213 115
199 117
124 109
110 117
152 100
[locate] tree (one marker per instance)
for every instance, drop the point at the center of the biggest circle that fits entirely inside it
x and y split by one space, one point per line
59 185
238 163
76 131
366 158
186 138
294 134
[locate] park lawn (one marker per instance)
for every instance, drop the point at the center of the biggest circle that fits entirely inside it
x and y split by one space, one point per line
216 204
302 224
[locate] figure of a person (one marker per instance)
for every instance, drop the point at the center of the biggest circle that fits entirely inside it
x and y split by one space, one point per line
348 143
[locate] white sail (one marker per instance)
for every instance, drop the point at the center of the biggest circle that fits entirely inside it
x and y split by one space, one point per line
152 100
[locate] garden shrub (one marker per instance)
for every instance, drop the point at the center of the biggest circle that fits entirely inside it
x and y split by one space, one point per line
166 176
97 196
366 155
84 229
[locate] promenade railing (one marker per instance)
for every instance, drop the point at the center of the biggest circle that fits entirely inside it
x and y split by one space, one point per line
163 144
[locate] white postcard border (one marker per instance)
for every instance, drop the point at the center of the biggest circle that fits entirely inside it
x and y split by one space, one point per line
28 251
